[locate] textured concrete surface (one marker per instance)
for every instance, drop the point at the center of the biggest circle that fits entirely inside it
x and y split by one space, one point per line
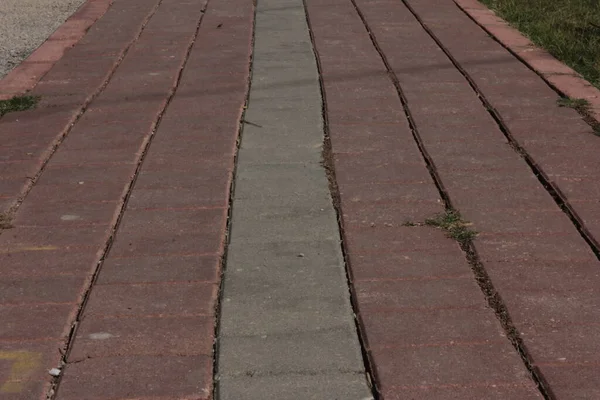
287 329
26 24
294 386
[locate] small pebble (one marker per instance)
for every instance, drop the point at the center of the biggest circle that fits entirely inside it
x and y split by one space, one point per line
54 372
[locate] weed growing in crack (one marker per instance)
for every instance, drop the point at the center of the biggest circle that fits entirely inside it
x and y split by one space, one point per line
408 223
580 105
594 124
5 221
455 227
18 103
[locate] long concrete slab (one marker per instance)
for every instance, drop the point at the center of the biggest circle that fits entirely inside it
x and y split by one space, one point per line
286 328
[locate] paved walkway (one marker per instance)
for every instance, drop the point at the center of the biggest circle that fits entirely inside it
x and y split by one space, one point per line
221 200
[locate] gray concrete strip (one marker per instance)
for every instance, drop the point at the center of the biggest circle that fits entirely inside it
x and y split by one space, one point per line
286 323
298 223
286 181
262 288
293 387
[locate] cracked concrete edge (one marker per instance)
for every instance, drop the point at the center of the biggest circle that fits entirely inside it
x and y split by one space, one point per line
556 74
29 72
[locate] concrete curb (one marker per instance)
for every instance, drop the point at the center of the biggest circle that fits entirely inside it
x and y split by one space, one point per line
25 76
559 76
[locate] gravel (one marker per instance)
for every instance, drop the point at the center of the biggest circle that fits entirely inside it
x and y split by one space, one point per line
26 24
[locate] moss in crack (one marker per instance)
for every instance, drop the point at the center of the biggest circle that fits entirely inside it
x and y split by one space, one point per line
455 227
5 221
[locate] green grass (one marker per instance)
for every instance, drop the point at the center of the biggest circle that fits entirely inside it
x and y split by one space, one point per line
18 103
581 105
455 227
568 29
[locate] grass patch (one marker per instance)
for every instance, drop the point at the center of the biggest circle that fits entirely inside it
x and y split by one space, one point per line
581 105
455 227
567 29
18 103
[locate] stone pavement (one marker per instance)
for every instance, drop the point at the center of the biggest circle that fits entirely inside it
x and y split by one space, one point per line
226 200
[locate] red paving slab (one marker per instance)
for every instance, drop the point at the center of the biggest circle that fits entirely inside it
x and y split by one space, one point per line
29 322
508 89
179 280
507 233
66 90
62 228
186 298
155 377
44 263
497 391
409 316
161 268
22 368
62 289
458 364
173 335
144 232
